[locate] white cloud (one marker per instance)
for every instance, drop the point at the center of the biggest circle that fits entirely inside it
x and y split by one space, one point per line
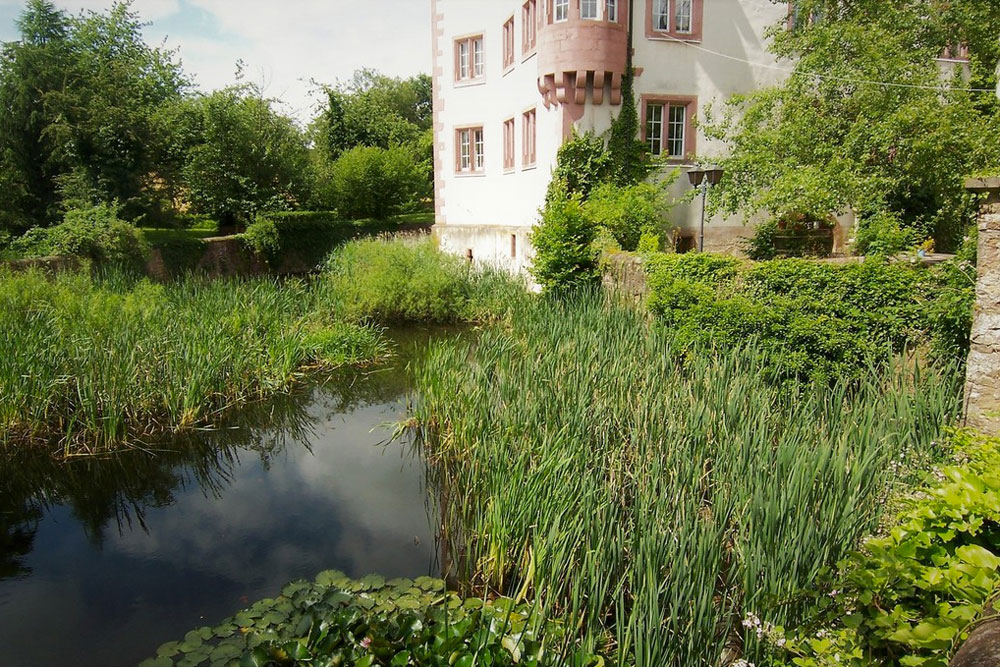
284 44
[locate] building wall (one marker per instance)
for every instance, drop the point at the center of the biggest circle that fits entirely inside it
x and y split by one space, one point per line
669 67
480 213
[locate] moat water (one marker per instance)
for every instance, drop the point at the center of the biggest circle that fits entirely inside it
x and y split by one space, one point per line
103 560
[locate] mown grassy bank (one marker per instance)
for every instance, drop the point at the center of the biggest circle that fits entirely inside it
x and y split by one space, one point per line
649 493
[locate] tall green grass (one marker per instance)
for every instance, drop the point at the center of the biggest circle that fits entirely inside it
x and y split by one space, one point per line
92 363
653 498
399 280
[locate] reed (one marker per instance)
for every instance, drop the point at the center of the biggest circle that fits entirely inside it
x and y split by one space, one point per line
653 497
91 363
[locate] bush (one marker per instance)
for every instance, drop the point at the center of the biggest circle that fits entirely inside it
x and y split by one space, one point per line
375 182
814 319
760 246
339 621
565 256
883 234
582 164
913 595
398 280
96 233
307 237
627 212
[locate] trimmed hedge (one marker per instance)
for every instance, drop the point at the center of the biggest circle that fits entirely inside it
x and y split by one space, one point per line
815 319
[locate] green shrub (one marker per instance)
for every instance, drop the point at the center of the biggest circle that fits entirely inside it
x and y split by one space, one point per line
307 237
701 267
96 233
401 280
627 212
370 182
912 594
814 319
883 234
371 621
760 246
582 164
565 256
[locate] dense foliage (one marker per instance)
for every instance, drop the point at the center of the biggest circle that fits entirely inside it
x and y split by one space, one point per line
372 622
98 361
565 255
395 281
833 137
825 321
594 466
911 595
96 233
90 115
79 97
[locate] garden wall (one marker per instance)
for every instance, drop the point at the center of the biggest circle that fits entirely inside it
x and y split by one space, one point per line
982 388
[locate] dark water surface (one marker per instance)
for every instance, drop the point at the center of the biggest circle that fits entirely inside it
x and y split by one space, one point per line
101 561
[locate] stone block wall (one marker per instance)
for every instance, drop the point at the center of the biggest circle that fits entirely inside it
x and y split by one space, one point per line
982 388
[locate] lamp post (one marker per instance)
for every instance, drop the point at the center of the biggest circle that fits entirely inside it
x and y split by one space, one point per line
704 178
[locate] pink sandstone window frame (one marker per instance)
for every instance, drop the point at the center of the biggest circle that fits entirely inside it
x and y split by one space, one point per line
476 150
509 149
690 103
529 28
697 22
469 42
529 138
509 50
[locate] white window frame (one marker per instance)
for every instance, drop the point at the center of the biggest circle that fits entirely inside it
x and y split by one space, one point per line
661 15
611 11
654 127
465 151
590 10
671 139
683 10
478 57
560 7
479 148
464 60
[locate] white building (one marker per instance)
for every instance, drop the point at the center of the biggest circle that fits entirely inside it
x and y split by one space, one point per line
514 78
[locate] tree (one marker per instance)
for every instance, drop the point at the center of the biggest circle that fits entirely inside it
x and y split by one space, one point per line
836 137
77 99
244 157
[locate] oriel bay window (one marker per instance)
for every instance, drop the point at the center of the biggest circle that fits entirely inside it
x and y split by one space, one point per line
469 150
668 126
681 19
469 58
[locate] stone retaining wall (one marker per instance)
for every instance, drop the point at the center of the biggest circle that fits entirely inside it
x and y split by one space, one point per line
982 387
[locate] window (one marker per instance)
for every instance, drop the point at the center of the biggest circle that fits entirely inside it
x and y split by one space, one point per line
508 145
669 130
661 15
513 246
529 26
611 11
677 18
528 153
469 153
588 9
683 15
797 19
469 58
561 10
508 43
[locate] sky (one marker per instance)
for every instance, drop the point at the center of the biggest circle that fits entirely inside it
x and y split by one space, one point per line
284 43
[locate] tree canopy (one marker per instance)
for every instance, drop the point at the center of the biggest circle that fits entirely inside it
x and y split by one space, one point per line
871 118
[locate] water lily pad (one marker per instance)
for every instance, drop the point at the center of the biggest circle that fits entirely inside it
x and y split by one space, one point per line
157 662
373 582
168 650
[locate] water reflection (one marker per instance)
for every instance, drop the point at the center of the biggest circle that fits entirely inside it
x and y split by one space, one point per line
117 555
